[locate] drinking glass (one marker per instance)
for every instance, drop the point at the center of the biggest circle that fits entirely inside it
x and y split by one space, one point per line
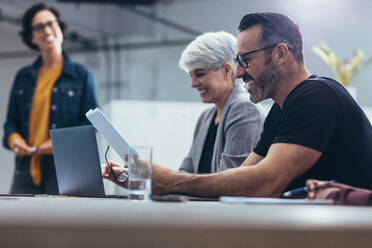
139 170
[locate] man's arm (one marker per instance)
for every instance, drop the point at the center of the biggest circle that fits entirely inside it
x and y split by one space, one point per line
268 178
252 159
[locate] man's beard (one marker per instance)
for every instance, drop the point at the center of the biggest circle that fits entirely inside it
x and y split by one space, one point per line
266 83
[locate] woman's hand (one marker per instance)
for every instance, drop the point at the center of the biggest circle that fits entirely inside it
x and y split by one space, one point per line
20 147
45 148
115 168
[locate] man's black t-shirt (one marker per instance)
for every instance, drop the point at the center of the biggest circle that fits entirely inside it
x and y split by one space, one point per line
320 114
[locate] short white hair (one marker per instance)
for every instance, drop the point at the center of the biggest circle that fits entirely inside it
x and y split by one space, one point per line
209 51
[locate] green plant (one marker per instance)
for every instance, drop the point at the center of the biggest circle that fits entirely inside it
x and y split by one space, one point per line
342 70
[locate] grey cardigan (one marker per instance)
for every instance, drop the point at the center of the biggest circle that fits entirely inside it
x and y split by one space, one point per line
238 132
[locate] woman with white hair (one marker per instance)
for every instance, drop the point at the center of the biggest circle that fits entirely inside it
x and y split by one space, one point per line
227 132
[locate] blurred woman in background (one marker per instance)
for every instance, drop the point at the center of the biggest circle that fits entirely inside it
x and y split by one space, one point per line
53 92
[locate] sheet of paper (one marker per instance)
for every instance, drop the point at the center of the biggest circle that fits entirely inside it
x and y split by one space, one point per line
108 131
262 200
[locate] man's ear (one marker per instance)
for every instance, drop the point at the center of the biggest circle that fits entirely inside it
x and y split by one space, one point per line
281 53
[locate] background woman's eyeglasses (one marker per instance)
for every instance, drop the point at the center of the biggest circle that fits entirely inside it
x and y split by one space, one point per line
41 26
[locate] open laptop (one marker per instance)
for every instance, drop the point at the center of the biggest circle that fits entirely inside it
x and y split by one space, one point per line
77 163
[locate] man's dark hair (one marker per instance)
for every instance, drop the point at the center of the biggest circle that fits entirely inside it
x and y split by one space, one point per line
26 32
276 28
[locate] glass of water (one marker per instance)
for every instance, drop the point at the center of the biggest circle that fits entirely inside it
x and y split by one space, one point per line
139 170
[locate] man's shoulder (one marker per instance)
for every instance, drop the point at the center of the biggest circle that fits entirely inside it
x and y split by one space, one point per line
315 89
315 84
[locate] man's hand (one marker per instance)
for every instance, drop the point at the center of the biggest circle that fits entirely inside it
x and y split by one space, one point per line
20 147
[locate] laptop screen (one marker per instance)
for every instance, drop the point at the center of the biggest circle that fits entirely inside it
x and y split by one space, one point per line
77 161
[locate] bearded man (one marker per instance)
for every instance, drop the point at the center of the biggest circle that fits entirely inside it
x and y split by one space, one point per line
314 129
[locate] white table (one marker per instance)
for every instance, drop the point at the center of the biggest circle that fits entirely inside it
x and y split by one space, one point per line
88 222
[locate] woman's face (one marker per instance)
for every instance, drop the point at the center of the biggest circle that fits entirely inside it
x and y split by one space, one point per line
46 33
213 85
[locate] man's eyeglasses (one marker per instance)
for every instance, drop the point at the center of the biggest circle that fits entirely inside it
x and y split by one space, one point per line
41 26
242 59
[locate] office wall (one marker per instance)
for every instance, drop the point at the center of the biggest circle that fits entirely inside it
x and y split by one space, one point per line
166 126
152 73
